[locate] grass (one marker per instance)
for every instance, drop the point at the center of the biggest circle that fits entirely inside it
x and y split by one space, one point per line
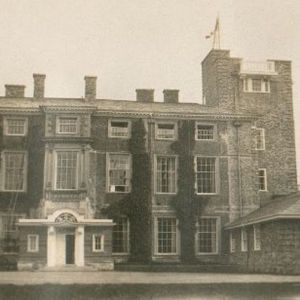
150 291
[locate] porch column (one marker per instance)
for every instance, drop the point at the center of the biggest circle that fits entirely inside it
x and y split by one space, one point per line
51 247
79 246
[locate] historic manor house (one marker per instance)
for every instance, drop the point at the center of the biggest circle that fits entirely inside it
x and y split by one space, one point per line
91 182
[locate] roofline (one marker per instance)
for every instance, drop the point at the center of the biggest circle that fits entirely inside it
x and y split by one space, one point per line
262 220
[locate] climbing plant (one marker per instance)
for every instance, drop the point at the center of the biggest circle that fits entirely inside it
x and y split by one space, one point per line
185 202
136 205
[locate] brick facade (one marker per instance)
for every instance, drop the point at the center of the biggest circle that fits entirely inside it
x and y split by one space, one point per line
232 113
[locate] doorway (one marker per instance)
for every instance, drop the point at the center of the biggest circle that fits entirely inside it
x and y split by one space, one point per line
70 249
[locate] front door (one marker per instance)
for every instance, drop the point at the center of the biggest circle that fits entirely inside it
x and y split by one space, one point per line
70 249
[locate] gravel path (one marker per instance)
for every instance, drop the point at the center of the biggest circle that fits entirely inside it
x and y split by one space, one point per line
23 278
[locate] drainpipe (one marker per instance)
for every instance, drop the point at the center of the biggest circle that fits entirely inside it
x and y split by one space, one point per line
237 125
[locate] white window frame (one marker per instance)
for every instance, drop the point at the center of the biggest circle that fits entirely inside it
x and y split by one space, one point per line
25 164
36 248
6 127
177 237
264 170
159 136
218 235
110 129
257 237
244 240
95 236
109 187
214 127
216 174
127 239
58 119
56 151
260 139
175 174
248 85
232 242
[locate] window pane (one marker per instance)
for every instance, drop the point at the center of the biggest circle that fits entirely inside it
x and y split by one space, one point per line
121 236
14 171
66 169
67 125
16 126
256 85
166 235
206 174
166 131
166 174
262 179
119 129
119 172
260 139
205 132
207 235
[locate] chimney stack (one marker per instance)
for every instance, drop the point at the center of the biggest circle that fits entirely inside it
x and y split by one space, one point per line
14 91
171 96
39 86
90 87
145 95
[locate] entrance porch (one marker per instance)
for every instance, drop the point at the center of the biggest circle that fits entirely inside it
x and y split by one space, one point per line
65 239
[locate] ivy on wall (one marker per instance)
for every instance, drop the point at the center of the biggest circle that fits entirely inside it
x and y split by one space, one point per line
184 202
137 204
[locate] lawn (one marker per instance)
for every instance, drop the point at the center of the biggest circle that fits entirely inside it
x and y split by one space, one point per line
151 291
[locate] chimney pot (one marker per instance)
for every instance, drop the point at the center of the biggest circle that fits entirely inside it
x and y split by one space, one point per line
39 85
145 95
90 87
171 96
14 91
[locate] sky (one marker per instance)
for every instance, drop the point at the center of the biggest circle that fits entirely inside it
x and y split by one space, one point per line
133 44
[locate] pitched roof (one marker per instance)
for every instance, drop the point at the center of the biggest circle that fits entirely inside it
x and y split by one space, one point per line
282 207
116 106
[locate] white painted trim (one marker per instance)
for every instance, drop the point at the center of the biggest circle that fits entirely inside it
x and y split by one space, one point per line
55 151
250 85
232 242
218 236
67 117
215 132
101 242
155 172
109 128
5 125
244 240
36 249
256 244
158 122
166 216
265 179
262 131
108 169
217 174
